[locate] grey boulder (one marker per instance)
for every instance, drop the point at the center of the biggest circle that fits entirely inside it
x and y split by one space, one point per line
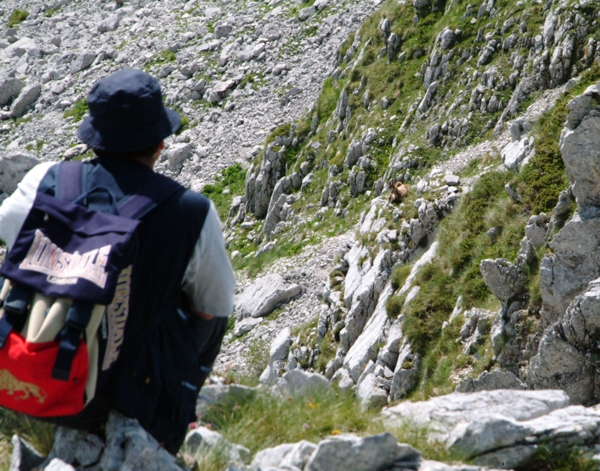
26 98
264 295
374 453
13 167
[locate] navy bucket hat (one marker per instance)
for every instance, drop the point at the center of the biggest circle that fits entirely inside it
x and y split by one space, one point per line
126 113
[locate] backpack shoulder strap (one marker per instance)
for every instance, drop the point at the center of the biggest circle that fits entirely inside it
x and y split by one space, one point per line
69 180
157 189
152 193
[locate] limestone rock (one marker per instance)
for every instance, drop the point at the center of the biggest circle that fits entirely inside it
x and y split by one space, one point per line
575 262
580 151
212 394
299 382
374 453
406 373
370 394
246 325
280 349
502 434
9 89
129 448
26 98
177 154
24 456
202 439
264 295
488 381
271 456
82 61
444 413
515 152
76 446
505 280
537 229
58 465
446 38
363 349
13 167
20 47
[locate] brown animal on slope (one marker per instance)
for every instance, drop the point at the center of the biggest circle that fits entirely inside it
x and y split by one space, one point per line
398 191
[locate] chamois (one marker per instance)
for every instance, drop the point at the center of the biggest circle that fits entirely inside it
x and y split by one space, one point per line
398 191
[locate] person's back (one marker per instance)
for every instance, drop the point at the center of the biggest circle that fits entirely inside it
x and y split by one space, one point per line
181 262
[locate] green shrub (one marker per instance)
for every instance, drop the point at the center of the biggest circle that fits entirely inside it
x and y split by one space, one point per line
78 111
232 178
328 98
399 275
393 306
16 17
544 177
266 421
559 459
256 358
282 130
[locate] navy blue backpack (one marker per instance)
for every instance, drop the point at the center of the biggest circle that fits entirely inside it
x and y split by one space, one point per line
64 291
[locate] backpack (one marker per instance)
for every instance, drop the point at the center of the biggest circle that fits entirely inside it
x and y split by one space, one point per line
64 290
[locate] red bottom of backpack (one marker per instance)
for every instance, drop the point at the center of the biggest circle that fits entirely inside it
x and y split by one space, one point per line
26 383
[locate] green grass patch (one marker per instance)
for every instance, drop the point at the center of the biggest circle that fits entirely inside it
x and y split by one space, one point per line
280 131
22 120
163 57
559 459
77 111
399 275
50 12
289 248
16 17
229 183
39 434
328 98
544 177
463 244
266 421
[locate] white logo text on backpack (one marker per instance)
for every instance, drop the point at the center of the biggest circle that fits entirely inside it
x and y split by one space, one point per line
65 268
117 313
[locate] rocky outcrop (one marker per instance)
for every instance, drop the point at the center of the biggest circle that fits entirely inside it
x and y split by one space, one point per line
569 276
13 167
501 428
263 296
126 446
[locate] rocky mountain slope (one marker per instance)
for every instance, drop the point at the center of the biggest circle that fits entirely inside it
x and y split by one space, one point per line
299 117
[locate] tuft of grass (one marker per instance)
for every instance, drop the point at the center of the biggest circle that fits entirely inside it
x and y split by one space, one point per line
232 179
399 275
164 57
16 17
210 459
39 434
559 459
257 359
282 130
455 272
544 177
267 421
50 12
328 98
393 306
77 112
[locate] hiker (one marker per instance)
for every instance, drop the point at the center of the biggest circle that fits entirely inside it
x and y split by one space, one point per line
181 264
